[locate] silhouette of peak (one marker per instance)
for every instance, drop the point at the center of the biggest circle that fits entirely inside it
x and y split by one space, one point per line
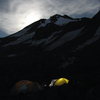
58 15
97 16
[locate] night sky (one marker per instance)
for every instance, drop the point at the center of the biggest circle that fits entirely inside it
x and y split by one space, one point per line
16 14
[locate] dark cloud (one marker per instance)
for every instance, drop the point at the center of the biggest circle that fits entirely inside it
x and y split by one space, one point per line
16 14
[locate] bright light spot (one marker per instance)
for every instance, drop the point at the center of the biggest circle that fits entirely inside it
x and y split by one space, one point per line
32 17
29 18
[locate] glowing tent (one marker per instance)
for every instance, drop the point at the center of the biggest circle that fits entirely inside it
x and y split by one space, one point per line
59 82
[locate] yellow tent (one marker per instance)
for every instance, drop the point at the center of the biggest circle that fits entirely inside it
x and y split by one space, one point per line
59 82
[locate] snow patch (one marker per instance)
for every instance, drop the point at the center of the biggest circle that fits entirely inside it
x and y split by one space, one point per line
62 21
98 32
67 37
21 39
90 41
38 42
20 33
52 37
45 23
47 40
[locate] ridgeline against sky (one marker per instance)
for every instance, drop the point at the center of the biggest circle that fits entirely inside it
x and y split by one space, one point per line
16 14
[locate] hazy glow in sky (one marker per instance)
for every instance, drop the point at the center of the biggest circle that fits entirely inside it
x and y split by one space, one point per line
16 14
